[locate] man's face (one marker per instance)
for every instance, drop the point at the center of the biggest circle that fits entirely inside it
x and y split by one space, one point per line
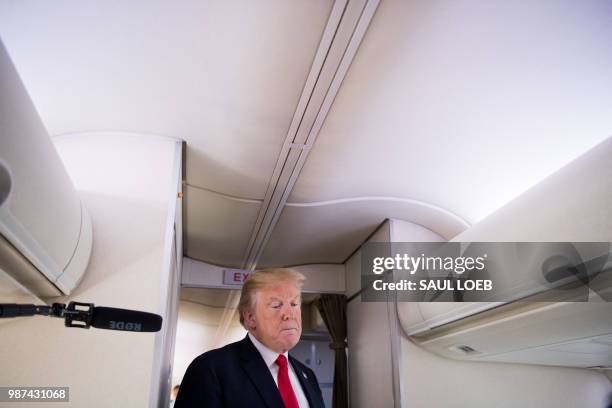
276 319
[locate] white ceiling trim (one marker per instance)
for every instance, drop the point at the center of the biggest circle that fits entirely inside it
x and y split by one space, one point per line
287 157
345 30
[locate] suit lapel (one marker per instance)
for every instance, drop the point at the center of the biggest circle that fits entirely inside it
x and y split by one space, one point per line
305 382
259 374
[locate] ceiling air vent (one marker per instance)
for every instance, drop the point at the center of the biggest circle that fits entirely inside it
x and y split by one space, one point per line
463 349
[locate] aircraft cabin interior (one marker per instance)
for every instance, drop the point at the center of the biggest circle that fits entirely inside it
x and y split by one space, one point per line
153 155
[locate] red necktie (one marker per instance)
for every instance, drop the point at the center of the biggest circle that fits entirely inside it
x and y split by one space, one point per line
284 385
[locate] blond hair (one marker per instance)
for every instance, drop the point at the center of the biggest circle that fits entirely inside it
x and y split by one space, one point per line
262 279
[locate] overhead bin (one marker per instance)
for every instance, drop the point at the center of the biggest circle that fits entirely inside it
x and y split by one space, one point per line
45 232
572 205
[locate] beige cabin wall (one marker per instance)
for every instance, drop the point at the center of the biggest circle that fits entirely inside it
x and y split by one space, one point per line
196 333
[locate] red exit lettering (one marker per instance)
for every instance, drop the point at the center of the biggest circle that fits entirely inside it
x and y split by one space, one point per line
240 276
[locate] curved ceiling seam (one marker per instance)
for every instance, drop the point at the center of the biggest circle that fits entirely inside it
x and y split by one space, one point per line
227 196
382 198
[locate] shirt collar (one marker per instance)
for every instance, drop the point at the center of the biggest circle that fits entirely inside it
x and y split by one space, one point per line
268 355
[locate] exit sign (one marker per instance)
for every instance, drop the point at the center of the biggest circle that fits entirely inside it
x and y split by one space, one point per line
235 276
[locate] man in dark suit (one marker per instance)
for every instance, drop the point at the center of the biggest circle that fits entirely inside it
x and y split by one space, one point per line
257 371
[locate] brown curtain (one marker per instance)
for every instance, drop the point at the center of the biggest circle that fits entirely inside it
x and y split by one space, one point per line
333 312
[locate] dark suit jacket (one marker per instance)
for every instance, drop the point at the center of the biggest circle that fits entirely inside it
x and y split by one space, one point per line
237 376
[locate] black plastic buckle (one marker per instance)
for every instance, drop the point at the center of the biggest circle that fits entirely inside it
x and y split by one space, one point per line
78 317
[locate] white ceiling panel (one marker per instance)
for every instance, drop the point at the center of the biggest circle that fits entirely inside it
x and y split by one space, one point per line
465 105
224 76
448 111
330 232
217 228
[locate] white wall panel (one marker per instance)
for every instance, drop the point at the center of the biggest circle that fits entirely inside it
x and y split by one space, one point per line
369 342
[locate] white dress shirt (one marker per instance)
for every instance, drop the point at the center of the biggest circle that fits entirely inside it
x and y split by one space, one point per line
270 357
